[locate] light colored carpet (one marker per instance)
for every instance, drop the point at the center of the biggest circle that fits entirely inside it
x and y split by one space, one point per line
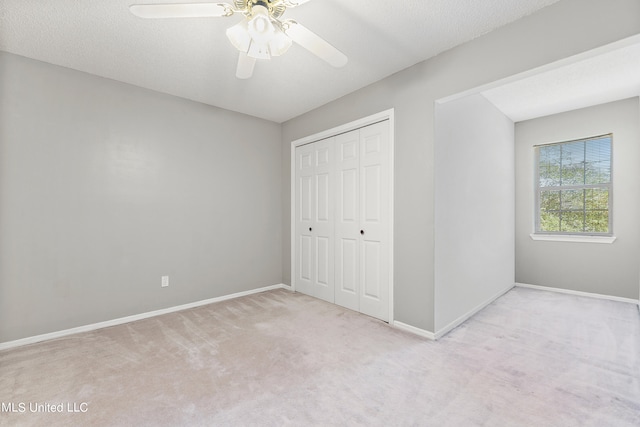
532 358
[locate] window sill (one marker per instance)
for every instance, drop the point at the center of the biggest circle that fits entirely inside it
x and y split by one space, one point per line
573 238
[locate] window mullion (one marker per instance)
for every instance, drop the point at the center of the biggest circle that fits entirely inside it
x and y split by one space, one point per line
560 213
575 187
584 183
584 210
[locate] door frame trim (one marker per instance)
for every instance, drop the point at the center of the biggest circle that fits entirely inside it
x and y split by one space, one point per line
347 127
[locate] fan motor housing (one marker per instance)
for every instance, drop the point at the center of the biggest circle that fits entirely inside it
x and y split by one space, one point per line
275 10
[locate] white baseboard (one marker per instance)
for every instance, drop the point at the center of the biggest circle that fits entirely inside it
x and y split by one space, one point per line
578 293
283 286
460 320
414 330
92 327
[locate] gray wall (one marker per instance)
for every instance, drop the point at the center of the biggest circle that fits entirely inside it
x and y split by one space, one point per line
474 208
608 269
105 187
549 35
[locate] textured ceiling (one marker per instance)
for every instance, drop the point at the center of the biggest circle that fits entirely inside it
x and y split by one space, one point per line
607 77
193 59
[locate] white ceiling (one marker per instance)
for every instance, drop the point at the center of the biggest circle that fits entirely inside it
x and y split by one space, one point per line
193 59
606 77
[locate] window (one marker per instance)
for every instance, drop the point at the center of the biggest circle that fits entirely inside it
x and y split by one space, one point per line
573 187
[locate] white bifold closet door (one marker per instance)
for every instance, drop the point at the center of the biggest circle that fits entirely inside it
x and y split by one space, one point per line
343 214
362 220
314 220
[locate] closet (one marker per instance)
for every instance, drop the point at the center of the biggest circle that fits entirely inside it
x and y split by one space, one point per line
342 233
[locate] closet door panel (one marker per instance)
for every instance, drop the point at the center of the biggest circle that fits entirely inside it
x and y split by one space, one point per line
371 262
323 230
305 209
347 220
374 220
305 266
348 254
371 204
348 189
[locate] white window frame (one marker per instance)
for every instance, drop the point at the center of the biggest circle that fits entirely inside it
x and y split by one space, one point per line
592 237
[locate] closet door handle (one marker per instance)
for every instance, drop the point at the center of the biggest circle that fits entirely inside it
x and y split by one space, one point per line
310 229
361 231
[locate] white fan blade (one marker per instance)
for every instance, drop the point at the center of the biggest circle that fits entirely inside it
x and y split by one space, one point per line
245 66
186 10
314 43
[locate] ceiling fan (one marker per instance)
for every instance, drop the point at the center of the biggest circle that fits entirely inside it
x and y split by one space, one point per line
260 35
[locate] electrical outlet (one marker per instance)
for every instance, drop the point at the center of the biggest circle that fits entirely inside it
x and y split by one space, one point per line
165 281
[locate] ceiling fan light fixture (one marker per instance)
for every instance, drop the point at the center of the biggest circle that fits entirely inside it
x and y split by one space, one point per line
279 44
257 36
239 36
260 26
258 51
